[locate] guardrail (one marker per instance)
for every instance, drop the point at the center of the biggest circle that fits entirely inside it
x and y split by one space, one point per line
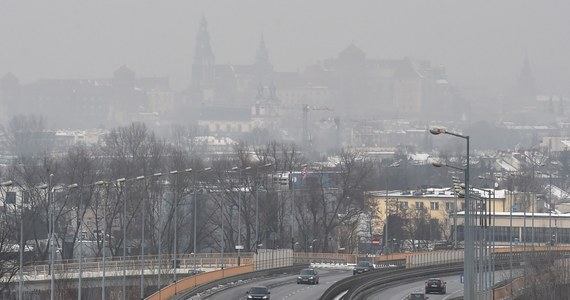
222 281
361 285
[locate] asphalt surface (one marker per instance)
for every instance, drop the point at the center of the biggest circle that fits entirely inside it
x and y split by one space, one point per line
282 287
454 288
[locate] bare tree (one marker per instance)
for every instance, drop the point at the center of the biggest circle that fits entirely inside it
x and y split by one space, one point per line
26 135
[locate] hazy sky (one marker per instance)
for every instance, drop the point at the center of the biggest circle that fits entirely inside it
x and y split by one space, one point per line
481 42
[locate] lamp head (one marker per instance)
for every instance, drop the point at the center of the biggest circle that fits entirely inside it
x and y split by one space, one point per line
438 163
436 131
7 183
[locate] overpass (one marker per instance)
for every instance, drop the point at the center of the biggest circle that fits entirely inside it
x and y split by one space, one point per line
206 267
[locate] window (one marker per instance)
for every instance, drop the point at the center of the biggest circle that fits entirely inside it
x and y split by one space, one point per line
434 205
419 205
404 204
11 197
450 206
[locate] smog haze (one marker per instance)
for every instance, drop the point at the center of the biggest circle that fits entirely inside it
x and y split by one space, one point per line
480 43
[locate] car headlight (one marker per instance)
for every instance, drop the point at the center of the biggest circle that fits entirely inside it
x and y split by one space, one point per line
249 297
311 277
264 297
299 277
366 270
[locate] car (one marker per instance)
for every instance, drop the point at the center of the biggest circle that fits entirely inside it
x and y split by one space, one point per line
417 296
258 292
435 285
308 276
362 267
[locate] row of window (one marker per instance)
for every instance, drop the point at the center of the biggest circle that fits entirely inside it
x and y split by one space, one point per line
432 205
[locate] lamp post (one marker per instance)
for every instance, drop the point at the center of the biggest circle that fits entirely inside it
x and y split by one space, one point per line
100 183
239 245
195 212
80 229
175 205
491 222
551 232
293 211
222 234
120 182
469 292
394 165
456 189
159 237
142 240
175 248
7 184
257 207
51 191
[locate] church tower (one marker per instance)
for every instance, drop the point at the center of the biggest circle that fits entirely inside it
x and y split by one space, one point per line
203 65
525 88
262 66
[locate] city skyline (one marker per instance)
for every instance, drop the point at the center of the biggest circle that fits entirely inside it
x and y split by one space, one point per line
64 39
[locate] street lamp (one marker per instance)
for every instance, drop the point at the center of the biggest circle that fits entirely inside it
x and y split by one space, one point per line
51 191
239 245
120 182
469 292
549 203
175 205
257 206
159 233
393 165
142 239
80 229
100 183
7 184
293 211
195 212
456 189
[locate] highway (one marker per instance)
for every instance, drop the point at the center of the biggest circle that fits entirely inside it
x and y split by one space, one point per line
454 289
285 287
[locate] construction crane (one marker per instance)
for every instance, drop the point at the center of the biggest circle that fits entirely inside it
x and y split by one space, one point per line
306 109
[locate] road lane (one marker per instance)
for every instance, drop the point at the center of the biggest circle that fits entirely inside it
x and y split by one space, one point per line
454 288
284 287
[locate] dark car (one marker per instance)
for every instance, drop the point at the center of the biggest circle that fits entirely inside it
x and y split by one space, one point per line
435 285
258 292
362 267
417 296
308 276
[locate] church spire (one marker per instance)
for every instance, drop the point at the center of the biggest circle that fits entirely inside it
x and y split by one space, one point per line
203 65
525 88
262 55
263 67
